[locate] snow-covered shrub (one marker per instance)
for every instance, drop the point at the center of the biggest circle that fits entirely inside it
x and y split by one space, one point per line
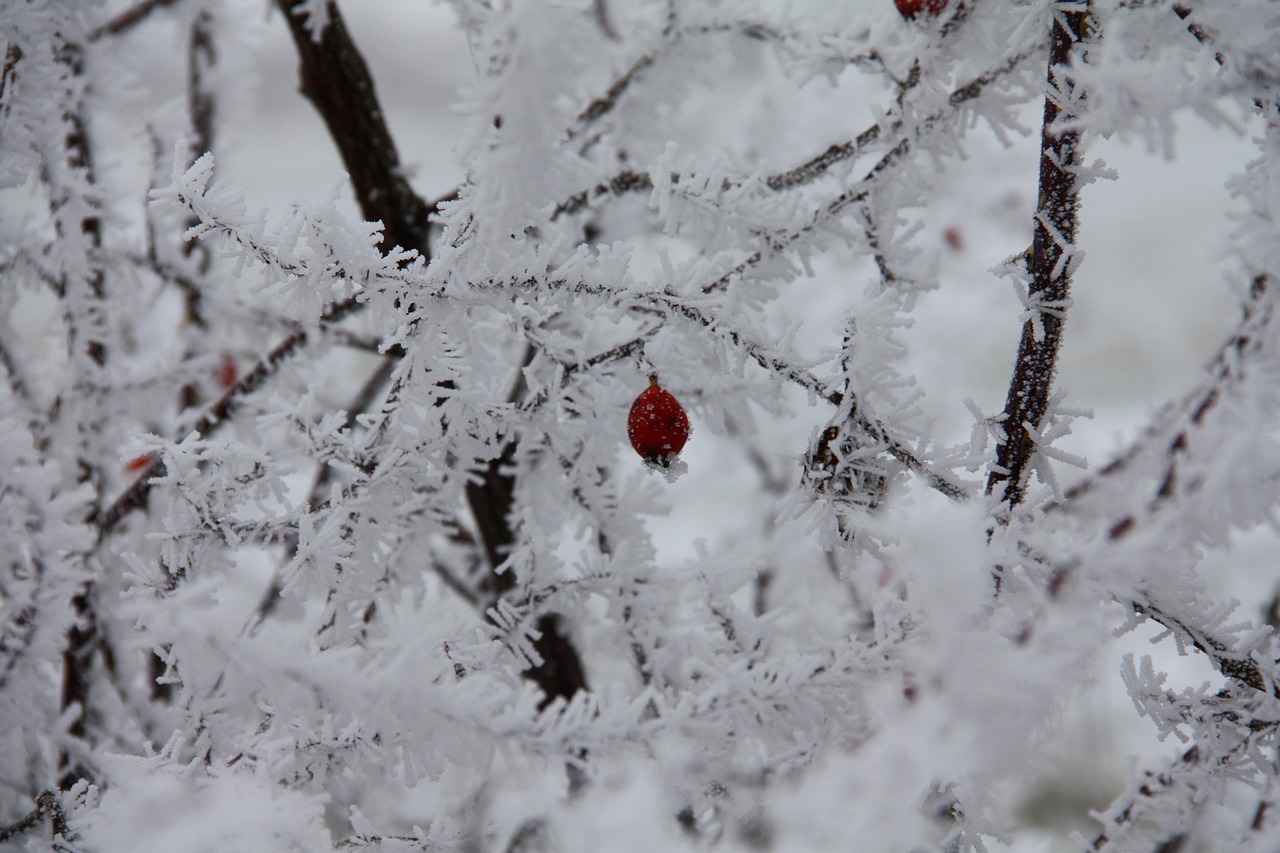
320 529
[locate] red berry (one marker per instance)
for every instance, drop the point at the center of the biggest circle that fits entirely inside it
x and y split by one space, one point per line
953 238
228 373
657 425
139 463
911 8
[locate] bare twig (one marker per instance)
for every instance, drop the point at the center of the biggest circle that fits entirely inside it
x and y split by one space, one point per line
336 79
129 18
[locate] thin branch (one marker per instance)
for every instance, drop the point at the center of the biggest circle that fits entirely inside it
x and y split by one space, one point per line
778 367
628 180
47 806
1226 370
12 56
809 172
1051 267
624 182
87 333
12 372
324 478
136 495
672 36
606 102
1184 12
202 56
1156 785
1239 668
600 11
21 622
129 18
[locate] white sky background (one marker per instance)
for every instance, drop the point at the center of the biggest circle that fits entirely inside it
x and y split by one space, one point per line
1151 306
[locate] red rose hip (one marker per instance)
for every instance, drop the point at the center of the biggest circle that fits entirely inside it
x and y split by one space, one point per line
657 425
911 8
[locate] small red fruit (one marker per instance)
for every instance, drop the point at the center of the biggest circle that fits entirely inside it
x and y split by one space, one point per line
228 372
138 464
953 238
911 8
657 425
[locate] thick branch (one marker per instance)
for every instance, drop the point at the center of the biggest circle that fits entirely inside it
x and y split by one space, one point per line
337 81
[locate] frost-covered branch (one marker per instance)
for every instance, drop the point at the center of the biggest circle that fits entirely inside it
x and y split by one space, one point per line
47 808
220 412
1051 263
629 181
337 81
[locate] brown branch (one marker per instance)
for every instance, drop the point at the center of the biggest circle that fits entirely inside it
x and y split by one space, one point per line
811 170
624 182
605 104
127 19
561 674
1184 12
1050 268
202 55
47 805
1241 669
1156 785
336 79
808 172
1228 371
136 495
13 374
84 639
12 56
